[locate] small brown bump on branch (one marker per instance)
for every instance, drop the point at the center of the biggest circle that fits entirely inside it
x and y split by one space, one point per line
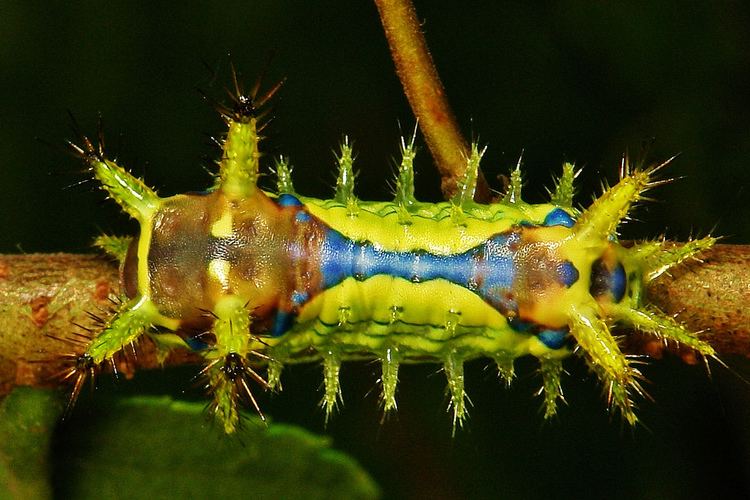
426 96
102 290
39 311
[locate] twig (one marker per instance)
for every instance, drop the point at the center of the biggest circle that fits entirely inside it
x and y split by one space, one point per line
426 96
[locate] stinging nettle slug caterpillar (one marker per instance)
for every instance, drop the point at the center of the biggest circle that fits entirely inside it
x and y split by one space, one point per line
252 279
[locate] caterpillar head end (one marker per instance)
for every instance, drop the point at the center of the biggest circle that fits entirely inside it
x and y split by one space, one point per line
612 290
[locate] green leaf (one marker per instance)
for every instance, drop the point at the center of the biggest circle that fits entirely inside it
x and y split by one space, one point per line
150 447
27 419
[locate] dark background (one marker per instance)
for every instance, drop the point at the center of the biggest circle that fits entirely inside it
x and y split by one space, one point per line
558 81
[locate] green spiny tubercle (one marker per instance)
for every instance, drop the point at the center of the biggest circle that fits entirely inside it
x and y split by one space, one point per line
345 180
389 379
565 188
114 246
515 187
551 370
284 182
405 181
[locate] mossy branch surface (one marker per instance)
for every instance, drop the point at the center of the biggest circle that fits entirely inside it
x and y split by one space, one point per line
44 297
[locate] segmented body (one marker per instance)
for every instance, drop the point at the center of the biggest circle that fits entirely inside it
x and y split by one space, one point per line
243 275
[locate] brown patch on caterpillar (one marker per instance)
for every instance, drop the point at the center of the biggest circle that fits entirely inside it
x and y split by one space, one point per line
39 311
177 256
689 357
654 348
537 283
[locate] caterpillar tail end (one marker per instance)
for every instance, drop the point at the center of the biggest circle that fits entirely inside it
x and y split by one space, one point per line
626 271
657 257
647 261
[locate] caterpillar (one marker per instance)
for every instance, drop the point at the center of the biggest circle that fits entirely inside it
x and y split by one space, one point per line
250 278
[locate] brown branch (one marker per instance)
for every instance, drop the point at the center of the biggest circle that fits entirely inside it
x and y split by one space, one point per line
426 96
43 295
712 296
42 299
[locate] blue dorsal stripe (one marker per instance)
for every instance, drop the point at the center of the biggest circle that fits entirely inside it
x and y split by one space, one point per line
342 258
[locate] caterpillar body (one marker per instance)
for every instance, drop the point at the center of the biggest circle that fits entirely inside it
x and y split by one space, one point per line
248 278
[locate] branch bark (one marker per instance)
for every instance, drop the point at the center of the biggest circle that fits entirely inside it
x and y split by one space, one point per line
46 303
711 296
44 296
423 89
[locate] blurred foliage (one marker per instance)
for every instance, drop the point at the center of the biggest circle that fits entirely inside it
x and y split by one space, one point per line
147 447
153 447
27 421
559 80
